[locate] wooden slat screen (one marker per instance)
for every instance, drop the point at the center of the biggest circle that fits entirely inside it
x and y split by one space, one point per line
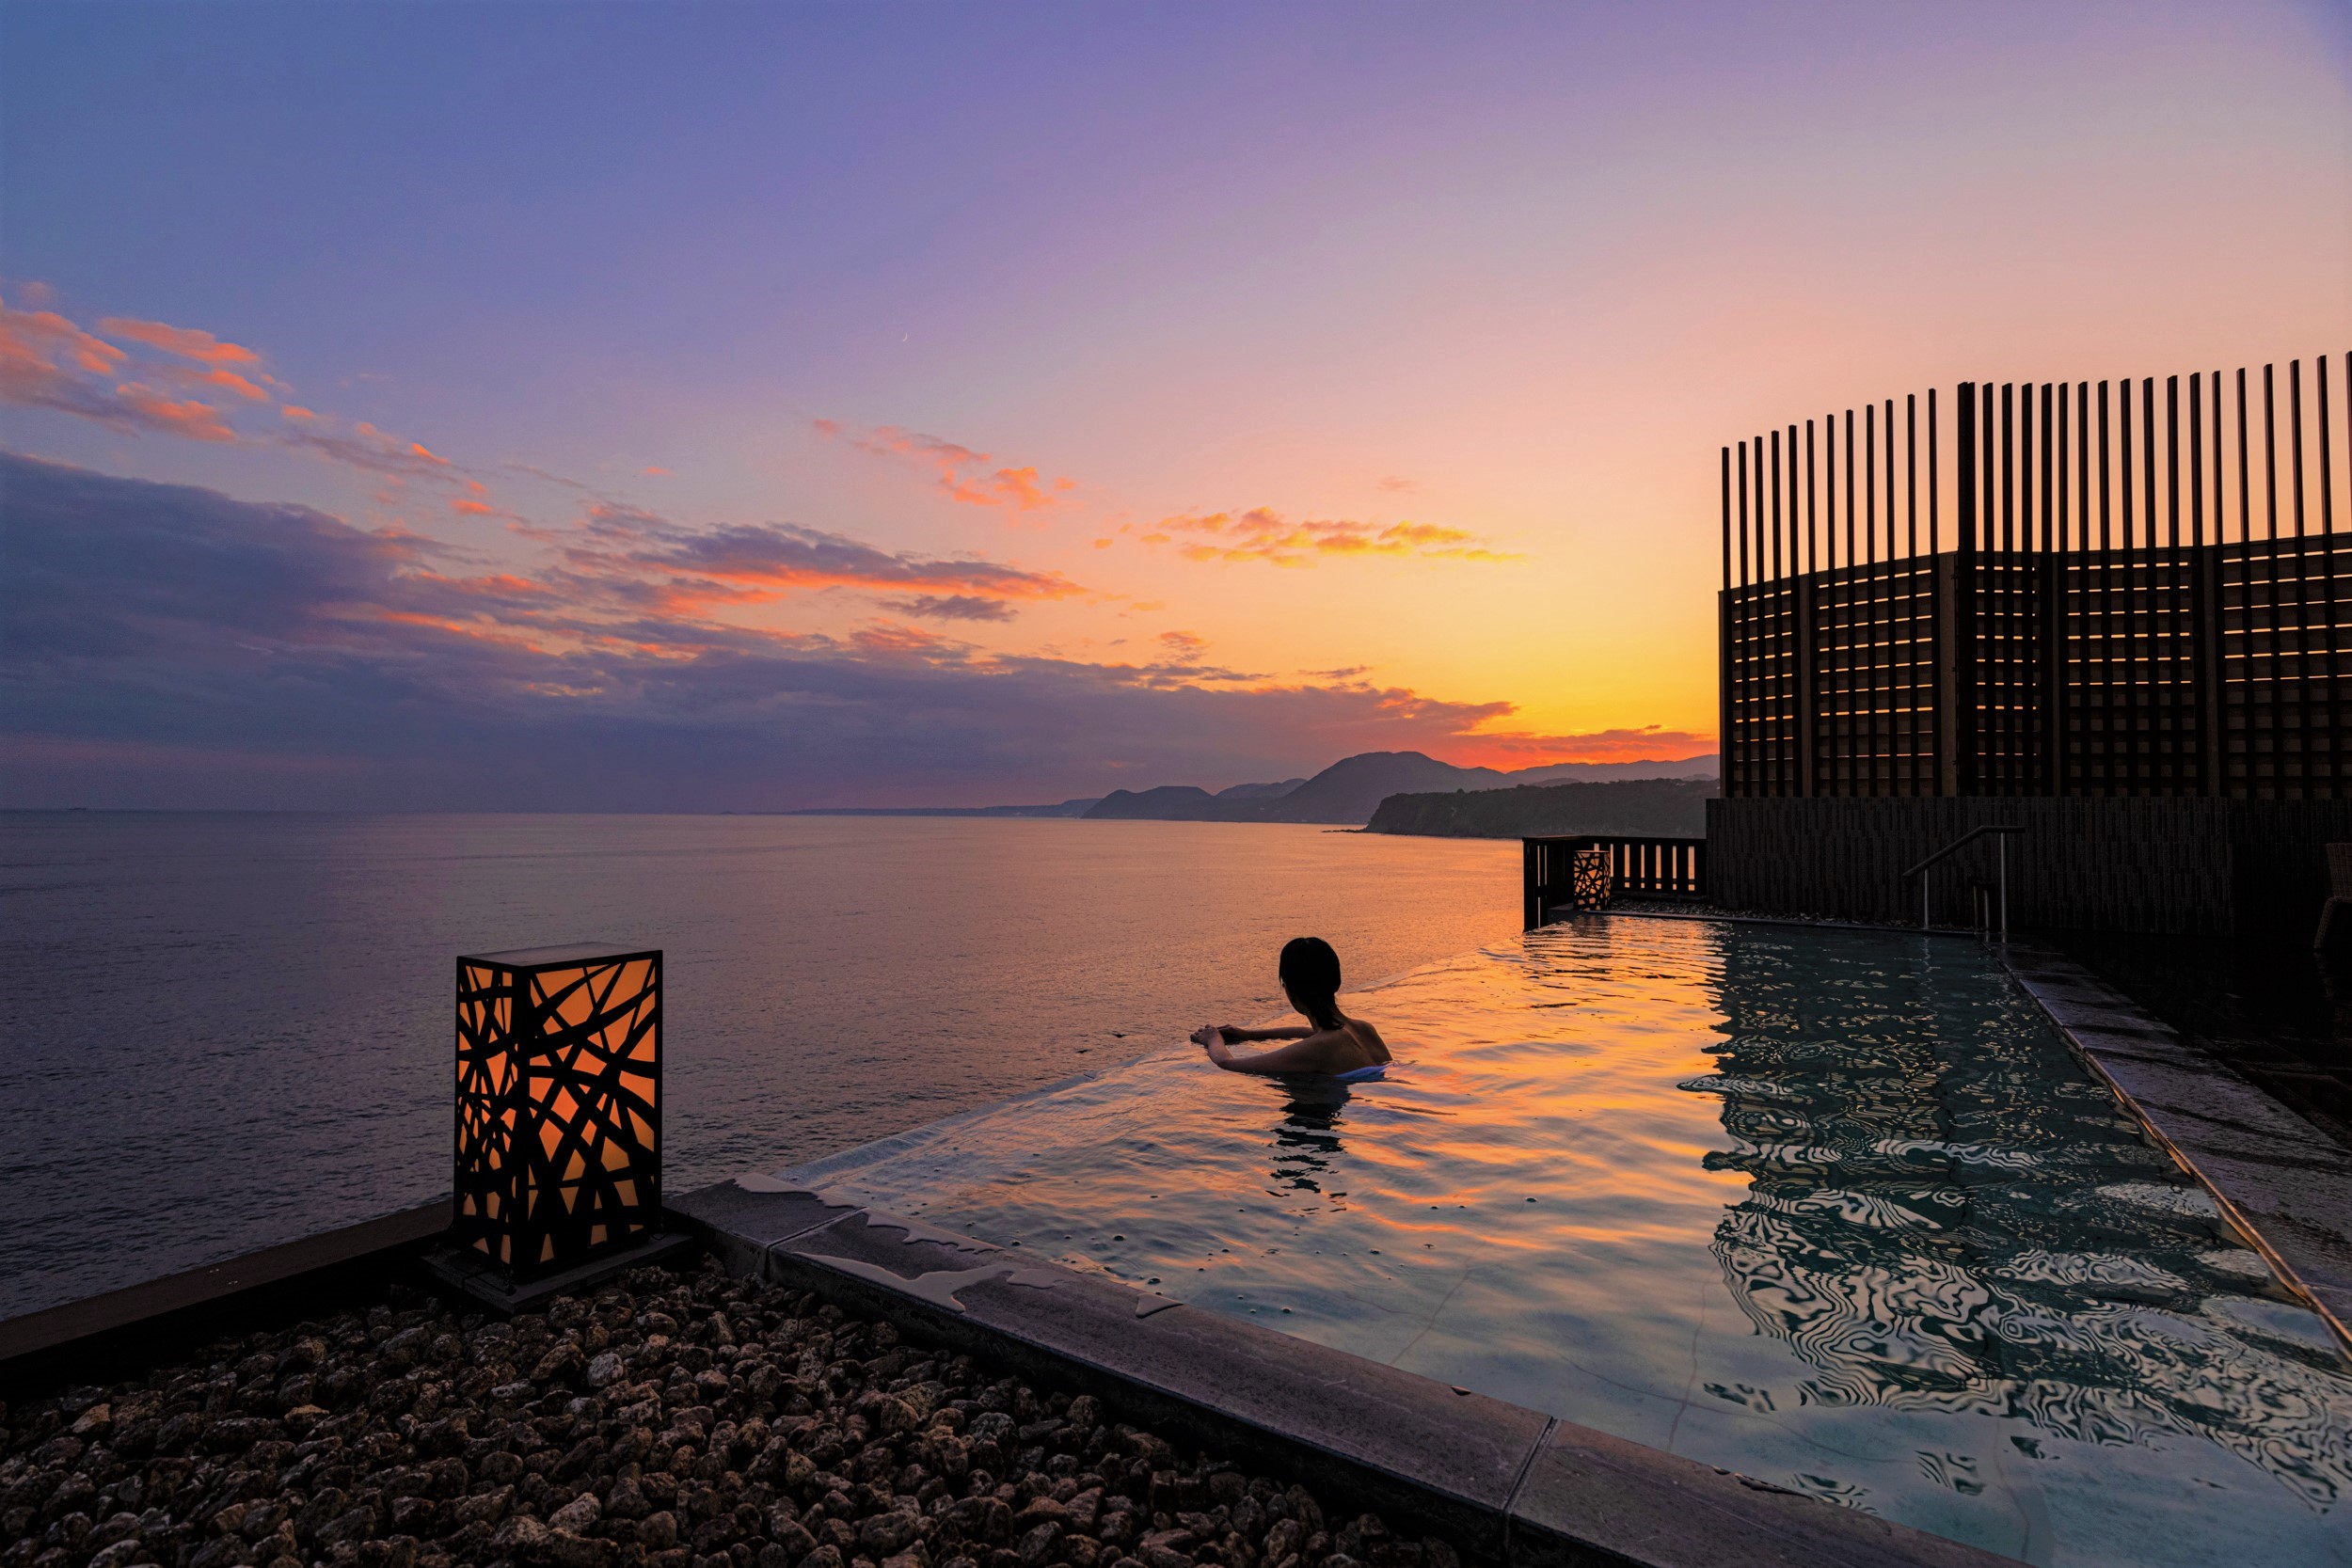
2143 591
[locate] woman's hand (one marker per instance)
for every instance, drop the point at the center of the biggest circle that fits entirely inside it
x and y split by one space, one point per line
1207 1036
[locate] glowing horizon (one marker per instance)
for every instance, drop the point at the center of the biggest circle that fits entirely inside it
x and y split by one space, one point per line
959 407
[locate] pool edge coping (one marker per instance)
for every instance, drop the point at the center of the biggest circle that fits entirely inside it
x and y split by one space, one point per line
1549 1494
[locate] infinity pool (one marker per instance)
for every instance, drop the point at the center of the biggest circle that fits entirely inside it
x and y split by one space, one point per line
1833 1210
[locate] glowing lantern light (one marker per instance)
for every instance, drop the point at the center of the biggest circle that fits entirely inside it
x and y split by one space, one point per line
559 1105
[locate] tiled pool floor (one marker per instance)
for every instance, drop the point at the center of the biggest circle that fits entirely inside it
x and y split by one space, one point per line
1834 1210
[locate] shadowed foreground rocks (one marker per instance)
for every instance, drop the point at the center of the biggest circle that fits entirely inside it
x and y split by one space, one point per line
678 1419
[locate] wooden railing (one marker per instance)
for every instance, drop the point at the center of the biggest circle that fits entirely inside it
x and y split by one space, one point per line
1652 868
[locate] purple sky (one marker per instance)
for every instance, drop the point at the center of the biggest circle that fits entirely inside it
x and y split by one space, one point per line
700 406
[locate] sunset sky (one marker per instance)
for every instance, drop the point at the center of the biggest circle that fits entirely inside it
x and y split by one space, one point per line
585 407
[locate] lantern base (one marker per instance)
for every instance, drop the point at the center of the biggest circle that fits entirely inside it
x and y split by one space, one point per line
465 1270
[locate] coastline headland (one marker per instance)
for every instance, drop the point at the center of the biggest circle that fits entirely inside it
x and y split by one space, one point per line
1346 794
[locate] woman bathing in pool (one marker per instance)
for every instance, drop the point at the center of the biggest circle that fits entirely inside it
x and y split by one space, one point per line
1333 1043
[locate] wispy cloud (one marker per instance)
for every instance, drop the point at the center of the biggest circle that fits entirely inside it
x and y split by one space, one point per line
192 418
303 660
973 478
184 342
1264 534
363 445
47 361
786 555
950 607
1511 748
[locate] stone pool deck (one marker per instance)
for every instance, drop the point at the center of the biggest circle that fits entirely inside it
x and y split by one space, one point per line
1508 1484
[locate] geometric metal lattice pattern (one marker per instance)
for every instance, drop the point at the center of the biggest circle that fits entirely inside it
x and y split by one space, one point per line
559 1104
1590 880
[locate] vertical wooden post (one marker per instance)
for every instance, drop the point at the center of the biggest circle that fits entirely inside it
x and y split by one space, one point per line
1806 760
2067 578
1917 623
1931 686
2333 596
2050 620
2009 466
2274 627
1726 742
2122 391
1955 607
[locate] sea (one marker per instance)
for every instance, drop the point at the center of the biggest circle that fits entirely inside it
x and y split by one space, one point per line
220 1031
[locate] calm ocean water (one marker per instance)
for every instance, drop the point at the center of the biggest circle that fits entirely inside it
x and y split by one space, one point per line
219 1031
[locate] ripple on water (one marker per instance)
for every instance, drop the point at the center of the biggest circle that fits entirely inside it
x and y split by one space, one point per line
1834 1210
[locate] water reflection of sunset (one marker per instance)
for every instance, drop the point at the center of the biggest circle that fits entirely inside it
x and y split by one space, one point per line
1833 1210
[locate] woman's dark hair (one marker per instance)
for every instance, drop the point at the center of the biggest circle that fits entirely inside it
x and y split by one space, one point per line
1310 973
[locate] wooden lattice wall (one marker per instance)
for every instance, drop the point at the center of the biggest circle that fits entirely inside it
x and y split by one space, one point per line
2142 593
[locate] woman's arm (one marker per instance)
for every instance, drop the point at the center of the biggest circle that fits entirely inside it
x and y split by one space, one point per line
1287 1032
1299 1057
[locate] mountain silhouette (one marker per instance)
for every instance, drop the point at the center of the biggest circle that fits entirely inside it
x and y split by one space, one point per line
1351 789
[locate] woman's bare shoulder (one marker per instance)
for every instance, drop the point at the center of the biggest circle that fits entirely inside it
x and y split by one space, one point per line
1370 1037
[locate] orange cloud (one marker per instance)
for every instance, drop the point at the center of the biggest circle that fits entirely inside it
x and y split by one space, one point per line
186 342
655 470
1182 646
784 556
197 421
1263 534
37 340
229 381
46 361
1519 750
965 475
888 638
370 449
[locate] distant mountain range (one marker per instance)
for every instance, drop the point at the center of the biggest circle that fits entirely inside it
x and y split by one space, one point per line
1343 795
1667 808
1350 790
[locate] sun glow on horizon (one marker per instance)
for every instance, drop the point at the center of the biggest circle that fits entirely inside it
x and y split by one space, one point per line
1378 412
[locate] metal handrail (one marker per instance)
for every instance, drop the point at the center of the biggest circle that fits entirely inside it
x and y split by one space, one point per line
2001 830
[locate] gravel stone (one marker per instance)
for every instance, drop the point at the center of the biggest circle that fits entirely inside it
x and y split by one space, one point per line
675 1418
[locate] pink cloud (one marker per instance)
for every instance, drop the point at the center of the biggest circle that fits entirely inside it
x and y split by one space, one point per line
1517 748
187 417
186 342
1182 646
1263 534
965 475
227 381
281 629
45 337
367 448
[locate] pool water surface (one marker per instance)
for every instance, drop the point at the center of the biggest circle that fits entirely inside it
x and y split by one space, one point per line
1834 1210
